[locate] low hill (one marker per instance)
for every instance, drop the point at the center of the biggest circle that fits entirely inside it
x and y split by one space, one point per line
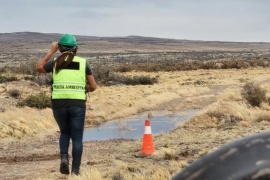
19 47
43 37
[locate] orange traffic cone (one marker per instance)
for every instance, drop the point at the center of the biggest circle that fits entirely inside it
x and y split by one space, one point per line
148 145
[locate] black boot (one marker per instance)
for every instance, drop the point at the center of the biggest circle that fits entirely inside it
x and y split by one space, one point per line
75 171
64 166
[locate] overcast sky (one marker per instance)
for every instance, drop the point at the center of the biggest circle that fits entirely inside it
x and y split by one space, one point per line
221 20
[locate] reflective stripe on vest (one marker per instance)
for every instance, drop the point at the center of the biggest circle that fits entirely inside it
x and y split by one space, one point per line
70 83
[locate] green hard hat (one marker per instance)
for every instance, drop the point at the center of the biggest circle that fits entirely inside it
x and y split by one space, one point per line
67 40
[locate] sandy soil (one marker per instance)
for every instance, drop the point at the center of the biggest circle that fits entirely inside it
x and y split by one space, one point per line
38 158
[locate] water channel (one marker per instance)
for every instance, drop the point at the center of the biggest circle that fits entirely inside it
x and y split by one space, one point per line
132 127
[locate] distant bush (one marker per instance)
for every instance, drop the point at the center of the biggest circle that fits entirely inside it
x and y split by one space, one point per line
106 76
28 67
253 94
191 65
101 73
114 79
7 79
224 119
39 101
199 82
141 80
43 79
124 68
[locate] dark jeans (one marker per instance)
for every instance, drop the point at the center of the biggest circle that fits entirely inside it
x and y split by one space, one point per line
71 124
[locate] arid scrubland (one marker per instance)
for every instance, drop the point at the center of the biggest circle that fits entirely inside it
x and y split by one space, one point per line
225 116
29 148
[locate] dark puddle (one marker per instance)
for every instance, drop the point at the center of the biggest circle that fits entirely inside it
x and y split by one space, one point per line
132 127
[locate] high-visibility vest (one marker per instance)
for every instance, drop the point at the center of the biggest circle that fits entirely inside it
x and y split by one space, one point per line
70 83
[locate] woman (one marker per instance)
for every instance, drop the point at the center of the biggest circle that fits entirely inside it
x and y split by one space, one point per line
71 75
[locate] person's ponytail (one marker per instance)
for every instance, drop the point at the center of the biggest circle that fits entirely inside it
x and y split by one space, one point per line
65 58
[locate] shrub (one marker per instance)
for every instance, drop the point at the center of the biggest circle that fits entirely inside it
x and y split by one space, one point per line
101 73
43 79
199 82
190 65
28 67
170 155
135 80
105 75
253 94
224 118
143 80
123 69
118 176
7 79
39 101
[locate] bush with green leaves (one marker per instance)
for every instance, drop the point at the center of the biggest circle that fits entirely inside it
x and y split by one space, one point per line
39 101
253 94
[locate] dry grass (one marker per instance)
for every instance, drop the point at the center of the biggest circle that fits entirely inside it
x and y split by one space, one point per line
225 120
25 122
133 99
87 174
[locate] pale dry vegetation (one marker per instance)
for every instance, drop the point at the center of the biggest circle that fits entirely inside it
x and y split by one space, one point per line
25 122
227 118
146 74
170 80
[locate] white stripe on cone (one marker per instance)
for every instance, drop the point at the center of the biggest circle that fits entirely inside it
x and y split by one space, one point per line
147 130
